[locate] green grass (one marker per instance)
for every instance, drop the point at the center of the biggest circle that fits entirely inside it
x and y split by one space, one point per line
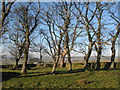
40 78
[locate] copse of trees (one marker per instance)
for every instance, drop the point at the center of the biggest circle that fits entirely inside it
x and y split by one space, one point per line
27 18
60 26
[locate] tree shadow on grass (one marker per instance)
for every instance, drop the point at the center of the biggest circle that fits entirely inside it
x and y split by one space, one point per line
61 72
55 73
33 72
8 75
35 75
71 71
105 69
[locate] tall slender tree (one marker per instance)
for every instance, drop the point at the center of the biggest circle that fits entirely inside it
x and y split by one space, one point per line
27 17
83 9
52 35
114 38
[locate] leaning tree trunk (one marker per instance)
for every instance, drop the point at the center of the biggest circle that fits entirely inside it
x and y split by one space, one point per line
55 64
18 58
112 56
86 66
68 52
16 63
62 61
24 67
111 65
40 53
70 63
113 48
54 67
41 58
98 59
69 56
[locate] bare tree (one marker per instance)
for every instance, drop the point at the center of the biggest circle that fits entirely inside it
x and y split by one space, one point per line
98 32
52 35
64 11
114 37
27 17
81 47
16 54
92 19
66 16
98 29
38 46
113 41
86 20
17 42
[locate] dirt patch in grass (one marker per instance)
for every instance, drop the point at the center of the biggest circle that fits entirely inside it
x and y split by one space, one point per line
84 82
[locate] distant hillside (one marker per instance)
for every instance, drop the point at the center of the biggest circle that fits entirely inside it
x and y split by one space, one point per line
93 58
9 60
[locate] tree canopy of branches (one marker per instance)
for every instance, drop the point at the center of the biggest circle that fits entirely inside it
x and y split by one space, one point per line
64 26
27 17
6 6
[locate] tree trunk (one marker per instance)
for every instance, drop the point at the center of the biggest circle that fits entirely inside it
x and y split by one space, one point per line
62 61
40 52
86 66
54 67
68 52
70 63
40 58
16 64
112 64
27 44
24 66
112 57
18 58
98 60
113 47
55 63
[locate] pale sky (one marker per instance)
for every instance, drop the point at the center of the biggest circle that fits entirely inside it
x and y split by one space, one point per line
107 52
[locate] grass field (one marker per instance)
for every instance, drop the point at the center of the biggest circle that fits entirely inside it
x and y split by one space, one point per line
78 78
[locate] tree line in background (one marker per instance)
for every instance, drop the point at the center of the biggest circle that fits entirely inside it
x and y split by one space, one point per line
60 28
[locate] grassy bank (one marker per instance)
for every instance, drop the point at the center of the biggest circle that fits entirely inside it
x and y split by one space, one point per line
78 78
